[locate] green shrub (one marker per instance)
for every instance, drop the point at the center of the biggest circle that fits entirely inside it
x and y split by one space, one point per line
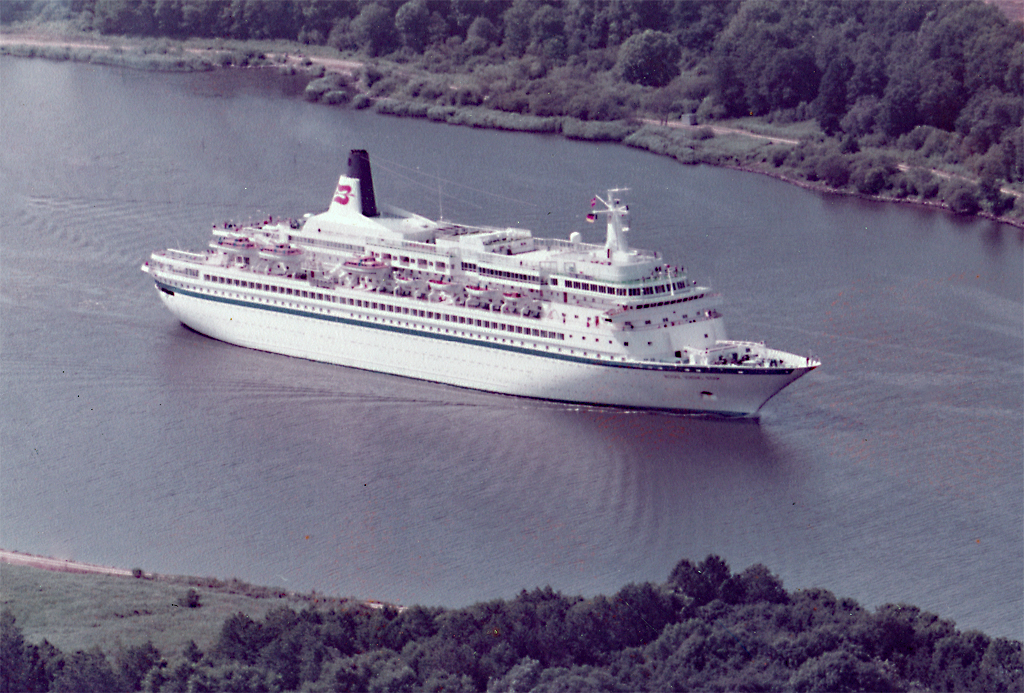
597 131
926 184
406 109
332 83
511 102
468 96
335 98
361 101
387 86
440 114
192 599
869 180
371 74
833 170
778 155
486 118
963 198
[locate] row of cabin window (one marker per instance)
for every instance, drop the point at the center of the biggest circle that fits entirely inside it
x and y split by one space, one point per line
637 291
267 287
421 263
460 319
359 303
501 274
668 303
358 249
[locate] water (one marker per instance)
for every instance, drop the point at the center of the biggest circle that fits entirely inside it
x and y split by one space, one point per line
893 473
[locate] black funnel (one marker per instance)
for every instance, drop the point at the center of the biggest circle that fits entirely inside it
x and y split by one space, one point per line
359 167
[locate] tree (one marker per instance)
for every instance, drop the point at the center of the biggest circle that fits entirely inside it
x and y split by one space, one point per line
791 77
650 58
547 37
830 103
481 35
524 676
641 612
841 671
134 663
375 30
413 23
517 26
240 638
86 671
21 668
702 582
760 585
1002 667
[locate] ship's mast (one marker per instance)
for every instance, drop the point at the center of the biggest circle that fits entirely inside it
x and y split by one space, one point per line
615 242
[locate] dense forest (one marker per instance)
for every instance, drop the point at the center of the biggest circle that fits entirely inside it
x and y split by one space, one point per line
706 628
936 83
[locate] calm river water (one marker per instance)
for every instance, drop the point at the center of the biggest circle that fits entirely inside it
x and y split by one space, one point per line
893 473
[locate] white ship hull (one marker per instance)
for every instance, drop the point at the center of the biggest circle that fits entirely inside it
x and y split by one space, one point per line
457 357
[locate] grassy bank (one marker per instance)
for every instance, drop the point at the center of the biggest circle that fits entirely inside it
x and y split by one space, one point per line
83 611
914 169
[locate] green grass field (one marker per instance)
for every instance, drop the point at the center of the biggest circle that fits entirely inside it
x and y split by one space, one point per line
81 611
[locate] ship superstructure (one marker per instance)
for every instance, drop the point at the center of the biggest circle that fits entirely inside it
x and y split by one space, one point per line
488 308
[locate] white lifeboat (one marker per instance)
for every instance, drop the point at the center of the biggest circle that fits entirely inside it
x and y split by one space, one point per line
532 309
279 251
478 296
235 243
439 289
233 248
364 265
405 285
510 302
283 257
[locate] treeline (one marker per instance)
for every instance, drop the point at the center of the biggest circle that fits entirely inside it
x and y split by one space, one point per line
705 629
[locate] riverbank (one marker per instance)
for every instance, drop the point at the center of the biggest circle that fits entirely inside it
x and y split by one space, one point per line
79 606
233 586
104 636
797 153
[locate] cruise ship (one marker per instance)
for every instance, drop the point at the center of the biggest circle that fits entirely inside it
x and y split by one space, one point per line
496 309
